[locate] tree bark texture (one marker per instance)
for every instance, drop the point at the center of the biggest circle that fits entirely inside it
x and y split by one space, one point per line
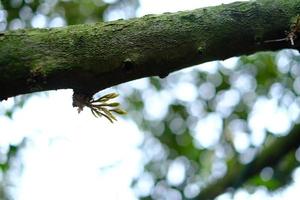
88 58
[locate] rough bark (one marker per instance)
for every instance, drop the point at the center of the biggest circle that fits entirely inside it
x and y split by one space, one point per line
88 58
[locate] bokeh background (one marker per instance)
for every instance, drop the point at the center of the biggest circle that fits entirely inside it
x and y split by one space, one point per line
216 123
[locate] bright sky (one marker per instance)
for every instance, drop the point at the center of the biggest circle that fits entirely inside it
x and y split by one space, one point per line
77 157
72 156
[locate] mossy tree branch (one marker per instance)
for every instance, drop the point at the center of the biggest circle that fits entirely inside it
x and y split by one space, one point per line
88 58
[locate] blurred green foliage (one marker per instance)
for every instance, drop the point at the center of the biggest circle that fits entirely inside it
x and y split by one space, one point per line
51 13
198 123
232 91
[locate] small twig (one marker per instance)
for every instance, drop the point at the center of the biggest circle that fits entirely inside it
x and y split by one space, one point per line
291 35
276 40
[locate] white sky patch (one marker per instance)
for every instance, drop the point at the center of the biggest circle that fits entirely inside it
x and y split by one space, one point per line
219 168
144 184
68 152
241 141
57 22
7 135
283 61
280 122
294 111
3 15
241 195
258 137
267 115
156 103
16 24
207 91
230 63
185 91
244 83
226 101
140 84
176 173
210 67
39 21
161 6
208 130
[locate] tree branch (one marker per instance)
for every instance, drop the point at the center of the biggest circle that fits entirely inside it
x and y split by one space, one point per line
89 58
237 173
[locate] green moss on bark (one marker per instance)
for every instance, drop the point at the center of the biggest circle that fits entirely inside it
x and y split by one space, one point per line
89 58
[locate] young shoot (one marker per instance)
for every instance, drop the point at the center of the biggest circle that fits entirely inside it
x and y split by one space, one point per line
100 106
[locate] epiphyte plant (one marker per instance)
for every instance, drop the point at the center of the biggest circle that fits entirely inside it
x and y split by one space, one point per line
100 106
